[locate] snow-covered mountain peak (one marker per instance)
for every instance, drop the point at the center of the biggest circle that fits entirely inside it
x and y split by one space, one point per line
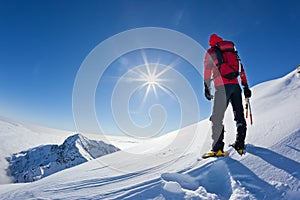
41 161
75 137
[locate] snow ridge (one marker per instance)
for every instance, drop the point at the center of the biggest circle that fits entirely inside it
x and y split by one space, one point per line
42 161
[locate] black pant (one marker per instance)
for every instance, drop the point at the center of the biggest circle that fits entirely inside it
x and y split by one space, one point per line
223 95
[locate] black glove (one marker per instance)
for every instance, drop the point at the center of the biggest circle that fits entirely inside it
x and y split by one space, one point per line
207 90
247 91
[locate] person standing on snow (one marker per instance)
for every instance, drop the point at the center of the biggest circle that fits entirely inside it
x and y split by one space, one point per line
222 66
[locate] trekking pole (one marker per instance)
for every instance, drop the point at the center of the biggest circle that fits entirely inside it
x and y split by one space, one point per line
248 110
247 106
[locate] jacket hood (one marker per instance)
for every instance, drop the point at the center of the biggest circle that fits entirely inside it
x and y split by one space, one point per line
214 39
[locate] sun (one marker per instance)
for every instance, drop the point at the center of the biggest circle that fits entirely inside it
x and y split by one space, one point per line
151 77
152 80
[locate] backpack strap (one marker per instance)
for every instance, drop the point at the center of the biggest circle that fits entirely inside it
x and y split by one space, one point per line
219 55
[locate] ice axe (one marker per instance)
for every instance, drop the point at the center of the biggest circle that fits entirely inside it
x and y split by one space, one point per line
248 110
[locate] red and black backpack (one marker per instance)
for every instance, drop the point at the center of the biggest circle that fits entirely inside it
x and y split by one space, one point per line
227 59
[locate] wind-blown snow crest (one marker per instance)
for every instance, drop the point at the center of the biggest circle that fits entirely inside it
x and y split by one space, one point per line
42 161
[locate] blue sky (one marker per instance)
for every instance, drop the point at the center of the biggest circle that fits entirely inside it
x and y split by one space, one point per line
43 43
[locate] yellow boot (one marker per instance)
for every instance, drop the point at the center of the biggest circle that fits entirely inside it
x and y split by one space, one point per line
212 153
240 148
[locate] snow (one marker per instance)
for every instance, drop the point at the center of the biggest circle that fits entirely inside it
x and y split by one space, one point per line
16 137
169 167
42 161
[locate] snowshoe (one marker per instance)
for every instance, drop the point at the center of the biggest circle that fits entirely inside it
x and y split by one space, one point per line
219 153
240 148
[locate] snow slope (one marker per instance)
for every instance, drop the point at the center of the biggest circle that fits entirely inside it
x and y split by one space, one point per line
269 170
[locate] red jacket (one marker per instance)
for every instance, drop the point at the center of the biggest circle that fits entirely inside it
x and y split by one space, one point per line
210 69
